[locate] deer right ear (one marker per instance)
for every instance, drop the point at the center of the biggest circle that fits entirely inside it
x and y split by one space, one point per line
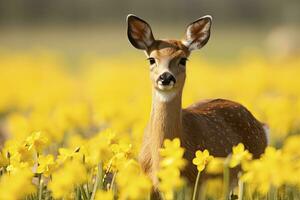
197 33
139 33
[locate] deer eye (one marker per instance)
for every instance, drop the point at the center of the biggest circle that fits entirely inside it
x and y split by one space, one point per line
183 61
151 61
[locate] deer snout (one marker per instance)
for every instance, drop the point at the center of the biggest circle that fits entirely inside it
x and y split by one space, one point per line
166 81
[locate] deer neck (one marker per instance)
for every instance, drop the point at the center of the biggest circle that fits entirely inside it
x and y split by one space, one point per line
165 121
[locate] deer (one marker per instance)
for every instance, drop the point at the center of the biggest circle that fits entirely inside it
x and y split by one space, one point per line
213 124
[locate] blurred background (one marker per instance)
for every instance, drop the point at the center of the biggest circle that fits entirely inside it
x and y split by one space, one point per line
66 67
72 85
270 26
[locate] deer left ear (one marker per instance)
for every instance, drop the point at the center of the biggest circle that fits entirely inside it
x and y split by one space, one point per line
139 33
198 33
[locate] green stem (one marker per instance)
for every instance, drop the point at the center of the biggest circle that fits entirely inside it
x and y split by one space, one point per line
77 194
86 189
113 181
273 193
196 189
40 187
82 191
101 176
226 179
98 176
241 190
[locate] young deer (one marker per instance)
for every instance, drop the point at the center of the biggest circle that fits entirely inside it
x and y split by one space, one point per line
216 125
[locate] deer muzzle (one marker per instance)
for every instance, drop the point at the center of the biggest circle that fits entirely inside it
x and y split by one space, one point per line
166 81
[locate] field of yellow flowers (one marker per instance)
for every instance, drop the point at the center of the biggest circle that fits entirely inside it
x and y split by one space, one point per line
74 132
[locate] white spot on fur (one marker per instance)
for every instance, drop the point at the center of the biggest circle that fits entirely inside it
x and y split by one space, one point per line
267 132
165 96
186 43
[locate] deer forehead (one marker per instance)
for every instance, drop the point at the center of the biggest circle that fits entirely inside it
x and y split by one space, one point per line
168 49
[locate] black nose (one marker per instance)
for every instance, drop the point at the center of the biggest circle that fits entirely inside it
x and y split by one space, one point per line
166 78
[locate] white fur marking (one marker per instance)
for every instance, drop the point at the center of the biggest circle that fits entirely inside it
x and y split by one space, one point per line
165 96
185 43
267 132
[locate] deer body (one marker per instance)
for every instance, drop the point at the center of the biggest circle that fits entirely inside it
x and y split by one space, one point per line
216 125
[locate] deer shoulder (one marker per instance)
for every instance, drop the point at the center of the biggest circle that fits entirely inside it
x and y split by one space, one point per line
219 124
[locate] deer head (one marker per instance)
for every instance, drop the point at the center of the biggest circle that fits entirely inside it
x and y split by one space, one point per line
168 58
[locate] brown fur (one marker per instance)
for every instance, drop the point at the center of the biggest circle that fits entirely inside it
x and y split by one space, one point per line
216 125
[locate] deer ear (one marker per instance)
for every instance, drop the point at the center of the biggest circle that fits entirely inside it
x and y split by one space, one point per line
197 33
139 33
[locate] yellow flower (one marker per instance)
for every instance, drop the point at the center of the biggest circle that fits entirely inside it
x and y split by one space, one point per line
17 156
172 147
26 154
290 152
68 154
172 154
169 167
121 153
18 125
46 165
15 166
170 180
104 195
16 185
291 145
202 159
129 189
215 166
64 180
36 141
272 169
16 152
98 147
4 160
78 104
239 155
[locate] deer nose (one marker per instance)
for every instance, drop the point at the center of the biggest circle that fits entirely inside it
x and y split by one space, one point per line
166 78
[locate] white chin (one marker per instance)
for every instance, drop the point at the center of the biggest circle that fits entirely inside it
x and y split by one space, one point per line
165 95
165 87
